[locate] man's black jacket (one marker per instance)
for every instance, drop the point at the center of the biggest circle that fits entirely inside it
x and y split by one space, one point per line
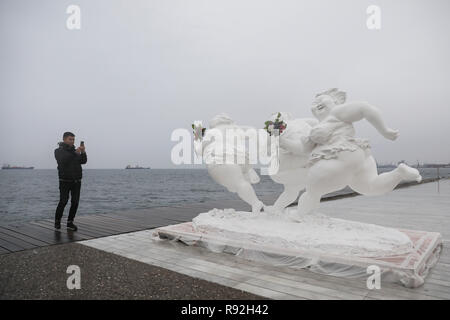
69 162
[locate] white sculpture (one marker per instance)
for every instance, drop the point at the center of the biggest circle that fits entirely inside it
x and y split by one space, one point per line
339 159
236 178
319 155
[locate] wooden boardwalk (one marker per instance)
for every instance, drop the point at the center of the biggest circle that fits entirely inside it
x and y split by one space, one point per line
18 237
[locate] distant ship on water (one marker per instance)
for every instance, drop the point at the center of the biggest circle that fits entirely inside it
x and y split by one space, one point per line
7 167
135 167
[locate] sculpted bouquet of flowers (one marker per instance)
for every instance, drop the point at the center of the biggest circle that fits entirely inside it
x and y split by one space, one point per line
278 124
198 130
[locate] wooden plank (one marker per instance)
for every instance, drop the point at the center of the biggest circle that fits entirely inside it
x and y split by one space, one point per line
297 291
34 232
87 233
112 224
381 295
61 235
139 212
100 226
101 230
48 226
4 251
162 212
16 241
118 220
438 274
264 292
435 290
23 237
153 219
441 282
139 224
10 246
70 235
143 214
442 267
444 259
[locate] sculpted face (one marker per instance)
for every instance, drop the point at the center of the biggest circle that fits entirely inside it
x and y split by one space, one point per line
321 107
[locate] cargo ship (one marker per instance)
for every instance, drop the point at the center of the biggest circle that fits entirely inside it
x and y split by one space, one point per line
7 167
135 167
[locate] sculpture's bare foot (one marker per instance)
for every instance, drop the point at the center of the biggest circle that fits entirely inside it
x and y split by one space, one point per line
409 173
257 207
251 176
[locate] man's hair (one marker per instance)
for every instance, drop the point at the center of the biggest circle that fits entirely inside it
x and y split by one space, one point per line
68 134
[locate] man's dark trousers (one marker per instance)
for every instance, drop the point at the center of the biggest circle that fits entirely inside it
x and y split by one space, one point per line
65 187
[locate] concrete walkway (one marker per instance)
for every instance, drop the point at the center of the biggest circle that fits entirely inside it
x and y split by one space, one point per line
41 273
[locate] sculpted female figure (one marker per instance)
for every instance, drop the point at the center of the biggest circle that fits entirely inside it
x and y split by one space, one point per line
339 159
235 177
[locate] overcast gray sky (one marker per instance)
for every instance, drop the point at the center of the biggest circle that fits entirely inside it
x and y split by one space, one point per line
139 69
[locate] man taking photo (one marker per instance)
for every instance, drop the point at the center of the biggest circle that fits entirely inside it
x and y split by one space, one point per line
69 162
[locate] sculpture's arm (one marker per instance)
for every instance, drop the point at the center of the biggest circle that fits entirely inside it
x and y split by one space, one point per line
355 111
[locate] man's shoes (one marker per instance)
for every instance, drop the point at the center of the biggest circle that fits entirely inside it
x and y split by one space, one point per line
57 224
71 226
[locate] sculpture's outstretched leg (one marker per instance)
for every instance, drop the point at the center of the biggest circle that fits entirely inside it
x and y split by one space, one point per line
289 195
231 177
368 182
317 186
246 192
308 203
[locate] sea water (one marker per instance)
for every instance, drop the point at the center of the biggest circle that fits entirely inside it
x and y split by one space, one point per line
27 195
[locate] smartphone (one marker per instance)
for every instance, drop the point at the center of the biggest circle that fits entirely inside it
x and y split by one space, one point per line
82 144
